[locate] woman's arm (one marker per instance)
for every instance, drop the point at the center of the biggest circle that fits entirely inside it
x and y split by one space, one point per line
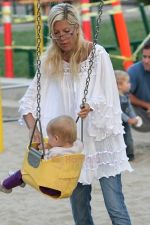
27 109
105 119
30 122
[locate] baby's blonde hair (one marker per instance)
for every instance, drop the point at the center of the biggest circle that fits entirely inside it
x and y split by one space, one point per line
64 127
121 76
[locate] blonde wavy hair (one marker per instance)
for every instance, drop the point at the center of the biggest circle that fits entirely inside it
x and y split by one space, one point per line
52 62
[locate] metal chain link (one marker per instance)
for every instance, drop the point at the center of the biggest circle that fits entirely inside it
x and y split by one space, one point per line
38 60
91 60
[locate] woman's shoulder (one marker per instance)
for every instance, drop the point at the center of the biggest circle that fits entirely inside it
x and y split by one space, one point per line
99 48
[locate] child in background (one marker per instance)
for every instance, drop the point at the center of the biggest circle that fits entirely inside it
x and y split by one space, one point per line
62 139
128 115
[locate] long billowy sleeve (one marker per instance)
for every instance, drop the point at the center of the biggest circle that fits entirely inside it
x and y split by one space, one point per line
28 102
105 120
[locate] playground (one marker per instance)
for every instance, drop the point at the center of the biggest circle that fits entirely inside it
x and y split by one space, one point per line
34 208
28 207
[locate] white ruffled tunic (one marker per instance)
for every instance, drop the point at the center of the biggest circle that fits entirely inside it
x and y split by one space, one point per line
103 132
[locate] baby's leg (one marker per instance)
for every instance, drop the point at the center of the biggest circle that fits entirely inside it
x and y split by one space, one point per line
13 181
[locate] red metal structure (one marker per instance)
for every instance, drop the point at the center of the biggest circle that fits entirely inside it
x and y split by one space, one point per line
122 33
9 68
86 22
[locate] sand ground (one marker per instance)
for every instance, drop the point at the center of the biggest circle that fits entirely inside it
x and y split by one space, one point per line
28 207
25 206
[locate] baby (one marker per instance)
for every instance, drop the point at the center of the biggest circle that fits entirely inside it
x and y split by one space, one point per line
62 139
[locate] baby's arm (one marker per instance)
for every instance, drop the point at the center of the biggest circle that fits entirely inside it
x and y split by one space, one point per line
124 117
127 119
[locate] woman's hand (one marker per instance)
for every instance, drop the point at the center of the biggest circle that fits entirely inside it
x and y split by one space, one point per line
36 136
30 122
84 111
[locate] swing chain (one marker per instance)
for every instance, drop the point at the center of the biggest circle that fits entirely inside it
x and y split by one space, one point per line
91 60
38 54
38 61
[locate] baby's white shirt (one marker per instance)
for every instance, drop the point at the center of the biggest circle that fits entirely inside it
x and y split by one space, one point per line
58 151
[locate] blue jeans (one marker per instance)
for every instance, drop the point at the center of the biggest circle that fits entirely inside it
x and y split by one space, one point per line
113 198
128 140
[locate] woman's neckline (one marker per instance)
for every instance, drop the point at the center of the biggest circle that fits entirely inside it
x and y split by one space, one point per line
83 60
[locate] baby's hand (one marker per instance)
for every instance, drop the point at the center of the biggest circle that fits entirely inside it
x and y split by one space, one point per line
46 146
132 121
40 147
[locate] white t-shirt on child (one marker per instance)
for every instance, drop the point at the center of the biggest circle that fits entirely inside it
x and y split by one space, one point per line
57 151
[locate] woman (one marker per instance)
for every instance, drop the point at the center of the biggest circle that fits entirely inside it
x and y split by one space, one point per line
64 69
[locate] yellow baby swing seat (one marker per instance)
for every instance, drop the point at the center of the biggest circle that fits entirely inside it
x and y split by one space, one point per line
61 173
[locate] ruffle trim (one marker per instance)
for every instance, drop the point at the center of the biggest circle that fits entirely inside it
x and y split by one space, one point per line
104 170
92 162
104 120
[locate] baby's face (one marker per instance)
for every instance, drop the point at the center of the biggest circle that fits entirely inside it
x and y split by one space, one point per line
125 86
